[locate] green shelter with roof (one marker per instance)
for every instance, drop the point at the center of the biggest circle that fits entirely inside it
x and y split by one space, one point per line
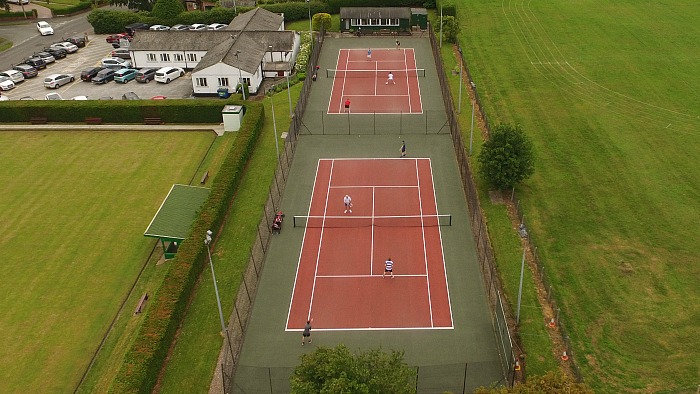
172 223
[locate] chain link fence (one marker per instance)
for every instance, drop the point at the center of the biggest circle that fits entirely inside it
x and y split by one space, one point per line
501 312
427 122
243 304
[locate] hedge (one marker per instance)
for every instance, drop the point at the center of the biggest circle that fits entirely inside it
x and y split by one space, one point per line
145 357
115 111
19 15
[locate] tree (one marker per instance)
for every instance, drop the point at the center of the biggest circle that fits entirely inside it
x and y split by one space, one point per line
321 19
507 158
337 370
550 383
137 5
450 28
167 10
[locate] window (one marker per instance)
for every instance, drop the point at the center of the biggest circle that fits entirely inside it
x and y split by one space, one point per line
179 57
201 82
164 57
192 57
223 82
151 57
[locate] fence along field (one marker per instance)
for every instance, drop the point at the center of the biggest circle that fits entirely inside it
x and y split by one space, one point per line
602 89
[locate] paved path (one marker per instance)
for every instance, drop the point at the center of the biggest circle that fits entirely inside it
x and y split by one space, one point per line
41 11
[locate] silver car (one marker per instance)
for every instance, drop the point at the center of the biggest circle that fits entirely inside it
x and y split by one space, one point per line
115 63
55 81
6 83
70 48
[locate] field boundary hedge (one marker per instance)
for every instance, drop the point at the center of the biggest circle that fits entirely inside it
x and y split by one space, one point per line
144 359
116 111
17 16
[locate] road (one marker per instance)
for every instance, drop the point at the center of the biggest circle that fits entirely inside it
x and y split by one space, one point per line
26 38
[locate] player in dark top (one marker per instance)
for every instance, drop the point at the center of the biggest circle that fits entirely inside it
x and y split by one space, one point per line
307 332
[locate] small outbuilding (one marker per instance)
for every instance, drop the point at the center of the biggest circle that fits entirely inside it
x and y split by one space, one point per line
373 20
172 223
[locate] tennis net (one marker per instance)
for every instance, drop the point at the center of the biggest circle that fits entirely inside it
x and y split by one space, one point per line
349 221
414 72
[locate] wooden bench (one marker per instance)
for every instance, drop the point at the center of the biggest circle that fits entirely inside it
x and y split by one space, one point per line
152 121
139 307
204 178
38 120
93 120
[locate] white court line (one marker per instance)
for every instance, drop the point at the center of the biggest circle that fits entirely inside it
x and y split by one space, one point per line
320 241
367 187
376 77
420 97
367 276
373 158
376 95
442 249
301 251
408 82
374 329
425 252
330 97
371 249
342 91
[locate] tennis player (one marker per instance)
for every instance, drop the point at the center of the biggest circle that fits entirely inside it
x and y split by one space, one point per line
347 200
369 54
347 105
390 78
307 332
388 267
403 149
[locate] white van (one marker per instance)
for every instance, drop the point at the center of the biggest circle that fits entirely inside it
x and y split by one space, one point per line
14 75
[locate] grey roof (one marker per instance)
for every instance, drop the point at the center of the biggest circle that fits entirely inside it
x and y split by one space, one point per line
375 12
281 41
250 54
257 19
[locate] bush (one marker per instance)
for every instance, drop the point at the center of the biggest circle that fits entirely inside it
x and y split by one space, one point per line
147 353
447 6
109 21
167 10
74 9
18 15
321 19
114 111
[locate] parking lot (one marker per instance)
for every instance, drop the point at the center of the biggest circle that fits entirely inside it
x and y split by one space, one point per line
90 56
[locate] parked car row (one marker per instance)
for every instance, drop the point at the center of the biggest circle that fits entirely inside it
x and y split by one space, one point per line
193 27
38 61
105 73
125 96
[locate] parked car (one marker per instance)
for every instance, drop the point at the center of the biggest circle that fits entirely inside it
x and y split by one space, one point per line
26 70
4 98
125 75
180 27
77 41
53 96
55 81
104 76
6 83
27 98
14 75
105 98
18 1
115 63
146 75
167 74
216 26
132 28
44 28
70 48
122 53
130 96
46 57
80 98
198 27
159 27
57 53
115 38
158 98
89 74
36 62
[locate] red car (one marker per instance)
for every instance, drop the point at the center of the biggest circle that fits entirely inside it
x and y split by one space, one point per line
115 38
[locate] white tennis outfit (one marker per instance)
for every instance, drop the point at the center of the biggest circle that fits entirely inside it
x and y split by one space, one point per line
390 79
347 200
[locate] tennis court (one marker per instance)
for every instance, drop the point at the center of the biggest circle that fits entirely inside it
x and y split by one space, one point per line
339 281
362 77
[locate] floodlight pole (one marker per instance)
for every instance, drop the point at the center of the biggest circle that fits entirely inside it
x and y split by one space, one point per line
207 241
274 123
459 101
240 73
520 288
311 35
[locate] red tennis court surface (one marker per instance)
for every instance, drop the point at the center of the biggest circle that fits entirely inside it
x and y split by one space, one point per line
339 276
363 81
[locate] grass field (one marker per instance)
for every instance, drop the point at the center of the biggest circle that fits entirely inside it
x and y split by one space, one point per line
608 93
75 206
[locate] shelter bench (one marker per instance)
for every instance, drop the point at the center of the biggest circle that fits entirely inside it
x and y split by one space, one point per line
93 120
204 178
139 307
38 120
152 121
